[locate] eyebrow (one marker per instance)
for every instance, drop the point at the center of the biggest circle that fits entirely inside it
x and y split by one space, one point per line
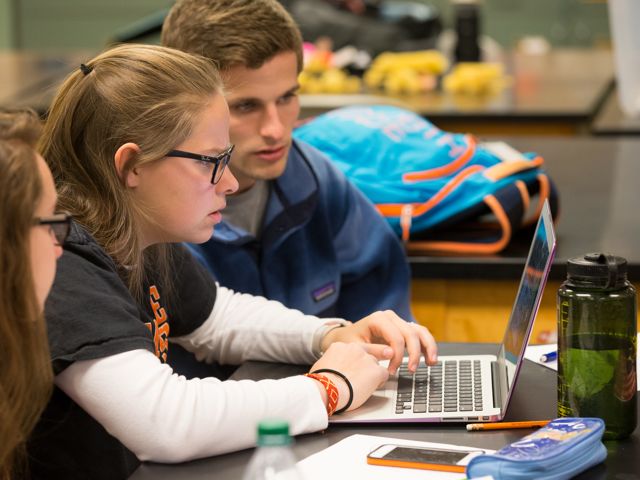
293 89
258 100
215 150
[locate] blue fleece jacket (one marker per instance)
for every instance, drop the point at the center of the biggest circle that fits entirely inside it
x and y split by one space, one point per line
324 249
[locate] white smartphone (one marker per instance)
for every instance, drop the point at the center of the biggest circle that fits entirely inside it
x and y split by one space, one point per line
421 457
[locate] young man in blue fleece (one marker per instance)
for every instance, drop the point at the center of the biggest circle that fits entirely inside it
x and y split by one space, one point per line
297 231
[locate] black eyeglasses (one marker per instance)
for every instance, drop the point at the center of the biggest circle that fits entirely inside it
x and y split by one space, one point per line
219 161
59 224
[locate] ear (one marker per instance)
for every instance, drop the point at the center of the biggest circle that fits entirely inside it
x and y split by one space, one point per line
122 158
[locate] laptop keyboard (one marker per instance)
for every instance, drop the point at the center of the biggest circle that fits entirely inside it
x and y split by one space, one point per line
449 386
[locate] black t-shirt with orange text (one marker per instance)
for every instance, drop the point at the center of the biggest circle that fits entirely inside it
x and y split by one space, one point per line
90 314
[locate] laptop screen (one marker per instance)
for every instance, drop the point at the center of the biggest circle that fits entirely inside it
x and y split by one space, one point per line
527 299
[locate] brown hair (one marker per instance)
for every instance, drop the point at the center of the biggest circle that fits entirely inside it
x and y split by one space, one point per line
232 32
145 94
26 377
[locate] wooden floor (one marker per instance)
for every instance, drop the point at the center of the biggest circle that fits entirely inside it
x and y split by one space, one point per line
477 311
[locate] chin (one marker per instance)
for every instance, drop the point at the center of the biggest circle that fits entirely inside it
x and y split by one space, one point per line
274 171
202 238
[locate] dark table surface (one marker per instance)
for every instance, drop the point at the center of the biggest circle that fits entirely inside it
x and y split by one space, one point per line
534 398
597 179
612 120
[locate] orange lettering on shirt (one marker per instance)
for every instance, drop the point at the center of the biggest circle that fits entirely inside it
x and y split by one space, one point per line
159 328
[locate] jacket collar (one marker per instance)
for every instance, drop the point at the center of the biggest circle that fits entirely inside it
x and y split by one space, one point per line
295 191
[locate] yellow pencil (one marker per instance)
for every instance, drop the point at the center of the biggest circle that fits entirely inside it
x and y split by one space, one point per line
506 425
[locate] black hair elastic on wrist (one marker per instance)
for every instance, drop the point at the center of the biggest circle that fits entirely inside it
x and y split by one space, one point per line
346 380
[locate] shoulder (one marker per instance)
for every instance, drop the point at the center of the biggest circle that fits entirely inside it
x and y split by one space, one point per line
187 270
85 270
317 161
84 273
82 247
331 180
337 196
193 291
90 312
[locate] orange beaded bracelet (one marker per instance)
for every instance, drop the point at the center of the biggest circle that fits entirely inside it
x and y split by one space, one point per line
330 387
346 381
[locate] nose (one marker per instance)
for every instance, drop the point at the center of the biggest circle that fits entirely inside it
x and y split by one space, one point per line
228 183
272 126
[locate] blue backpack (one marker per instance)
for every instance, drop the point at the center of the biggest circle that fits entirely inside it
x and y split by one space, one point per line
441 192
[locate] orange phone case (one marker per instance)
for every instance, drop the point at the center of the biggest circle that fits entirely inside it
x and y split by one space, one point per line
424 466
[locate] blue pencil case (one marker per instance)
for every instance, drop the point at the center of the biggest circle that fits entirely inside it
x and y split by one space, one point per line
560 450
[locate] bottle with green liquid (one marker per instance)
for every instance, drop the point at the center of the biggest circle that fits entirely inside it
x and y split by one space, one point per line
597 343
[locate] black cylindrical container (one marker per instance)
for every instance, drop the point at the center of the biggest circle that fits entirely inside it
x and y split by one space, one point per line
467 26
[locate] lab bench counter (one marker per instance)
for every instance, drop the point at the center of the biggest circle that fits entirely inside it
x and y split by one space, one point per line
612 120
553 94
534 398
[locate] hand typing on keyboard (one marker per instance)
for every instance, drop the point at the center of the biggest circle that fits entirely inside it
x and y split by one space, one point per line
383 330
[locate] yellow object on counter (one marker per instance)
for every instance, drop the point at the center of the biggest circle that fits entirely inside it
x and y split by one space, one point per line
405 72
476 78
422 61
331 80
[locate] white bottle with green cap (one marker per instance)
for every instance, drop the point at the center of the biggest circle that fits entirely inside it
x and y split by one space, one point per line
273 458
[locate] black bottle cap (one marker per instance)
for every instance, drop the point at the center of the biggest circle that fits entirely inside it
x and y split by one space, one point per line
599 268
467 27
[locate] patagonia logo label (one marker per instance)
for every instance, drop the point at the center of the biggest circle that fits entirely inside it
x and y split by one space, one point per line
324 291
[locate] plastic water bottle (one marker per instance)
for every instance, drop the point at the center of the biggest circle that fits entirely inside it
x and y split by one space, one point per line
273 458
597 343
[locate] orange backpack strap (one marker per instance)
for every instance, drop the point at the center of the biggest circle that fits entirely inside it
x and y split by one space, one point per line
407 211
503 229
447 169
508 207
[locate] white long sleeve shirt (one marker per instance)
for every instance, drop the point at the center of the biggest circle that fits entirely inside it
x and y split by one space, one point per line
161 416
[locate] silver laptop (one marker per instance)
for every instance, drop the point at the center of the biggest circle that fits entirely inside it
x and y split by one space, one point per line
463 388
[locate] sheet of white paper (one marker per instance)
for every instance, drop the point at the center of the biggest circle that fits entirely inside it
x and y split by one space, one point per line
347 460
534 352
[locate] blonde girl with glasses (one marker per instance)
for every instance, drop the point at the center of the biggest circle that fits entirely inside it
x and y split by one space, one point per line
137 140
28 253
